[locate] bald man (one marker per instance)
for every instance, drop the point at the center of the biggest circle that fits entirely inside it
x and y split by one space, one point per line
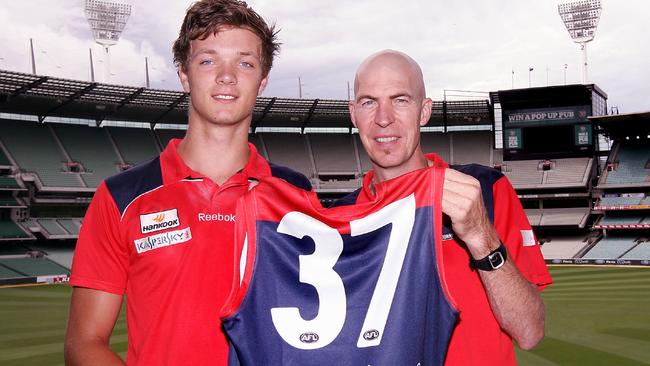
492 264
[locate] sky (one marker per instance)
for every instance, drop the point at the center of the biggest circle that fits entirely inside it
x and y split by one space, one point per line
469 45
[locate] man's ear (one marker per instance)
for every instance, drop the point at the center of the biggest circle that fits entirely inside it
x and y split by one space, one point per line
182 75
351 109
263 83
425 112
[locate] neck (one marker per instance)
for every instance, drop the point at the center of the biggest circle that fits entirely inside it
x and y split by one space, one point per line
419 161
218 152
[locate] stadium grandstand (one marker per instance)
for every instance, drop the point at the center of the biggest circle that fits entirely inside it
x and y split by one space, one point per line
60 138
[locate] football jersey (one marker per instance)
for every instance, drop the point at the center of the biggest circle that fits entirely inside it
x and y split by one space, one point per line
353 285
478 338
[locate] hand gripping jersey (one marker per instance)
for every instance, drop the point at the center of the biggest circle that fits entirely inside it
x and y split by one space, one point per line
478 340
354 285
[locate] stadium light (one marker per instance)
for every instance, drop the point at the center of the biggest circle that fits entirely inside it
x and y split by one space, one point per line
107 21
581 20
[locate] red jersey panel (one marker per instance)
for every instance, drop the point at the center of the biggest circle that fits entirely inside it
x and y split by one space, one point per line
162 235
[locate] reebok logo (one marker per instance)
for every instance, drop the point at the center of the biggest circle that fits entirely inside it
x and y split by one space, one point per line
162 240
159 221
216 217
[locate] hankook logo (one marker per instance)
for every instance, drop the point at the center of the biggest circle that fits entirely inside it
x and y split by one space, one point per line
159 221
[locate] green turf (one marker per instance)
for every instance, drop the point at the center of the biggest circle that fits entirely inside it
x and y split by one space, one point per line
595 316
32 325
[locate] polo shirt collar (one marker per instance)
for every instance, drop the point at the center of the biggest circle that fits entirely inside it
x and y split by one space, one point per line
367 193
174 168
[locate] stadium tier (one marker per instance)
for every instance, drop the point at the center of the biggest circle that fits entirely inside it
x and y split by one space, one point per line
639 252
91 147
611 247
568 216
562 247
164 135
548 174
135 144
11 230
631 165
619 202
288 149
35 150
334 154
8 182
33 267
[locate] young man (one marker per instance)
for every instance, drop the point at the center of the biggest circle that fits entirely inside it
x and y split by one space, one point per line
492 264
162 233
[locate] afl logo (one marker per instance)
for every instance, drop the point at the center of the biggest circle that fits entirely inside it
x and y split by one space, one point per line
309 337
371 334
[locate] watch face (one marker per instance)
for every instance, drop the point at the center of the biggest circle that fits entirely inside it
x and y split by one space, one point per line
496 260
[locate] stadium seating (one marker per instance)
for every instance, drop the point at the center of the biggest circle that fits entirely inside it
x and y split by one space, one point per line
534 216
35 150
9 201
333 153
639 252
8 273
471 147
563 247
631 167
34 266
366 164
92 148
165 135
288 150
627 219
620 201
71 225
574 216
568 171
136 145
524 173
10 230
611 247
435 142
8 182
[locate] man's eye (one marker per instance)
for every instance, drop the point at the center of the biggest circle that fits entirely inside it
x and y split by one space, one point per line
206 62
368 103
246 64
401 101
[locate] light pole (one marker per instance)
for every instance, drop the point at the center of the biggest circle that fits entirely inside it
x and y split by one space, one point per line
565 66
581 20
107 21
530 71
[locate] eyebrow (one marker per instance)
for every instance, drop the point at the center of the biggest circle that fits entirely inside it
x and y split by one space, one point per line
393 96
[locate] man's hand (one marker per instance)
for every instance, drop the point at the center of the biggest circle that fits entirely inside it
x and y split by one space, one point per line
462 201
516 304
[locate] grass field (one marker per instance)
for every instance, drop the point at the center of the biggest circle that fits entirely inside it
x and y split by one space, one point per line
595 316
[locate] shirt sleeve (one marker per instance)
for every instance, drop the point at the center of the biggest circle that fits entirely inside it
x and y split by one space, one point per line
515 232
101 257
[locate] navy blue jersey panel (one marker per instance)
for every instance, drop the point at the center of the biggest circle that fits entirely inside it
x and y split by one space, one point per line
131 183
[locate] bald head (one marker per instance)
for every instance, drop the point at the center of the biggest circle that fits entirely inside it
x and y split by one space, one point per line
394 62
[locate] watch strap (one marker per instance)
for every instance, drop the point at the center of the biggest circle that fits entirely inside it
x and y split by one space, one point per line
492 261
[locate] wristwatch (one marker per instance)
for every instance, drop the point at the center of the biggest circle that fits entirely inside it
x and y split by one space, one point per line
492 261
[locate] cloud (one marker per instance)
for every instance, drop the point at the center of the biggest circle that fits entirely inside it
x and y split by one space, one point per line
465 44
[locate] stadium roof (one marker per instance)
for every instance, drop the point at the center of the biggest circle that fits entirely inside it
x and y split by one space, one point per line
623 125
47 96
547 96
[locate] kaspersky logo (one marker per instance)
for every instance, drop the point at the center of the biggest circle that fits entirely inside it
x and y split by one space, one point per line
159 221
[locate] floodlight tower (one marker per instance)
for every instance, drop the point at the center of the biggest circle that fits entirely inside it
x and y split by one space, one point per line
107 21
581 20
